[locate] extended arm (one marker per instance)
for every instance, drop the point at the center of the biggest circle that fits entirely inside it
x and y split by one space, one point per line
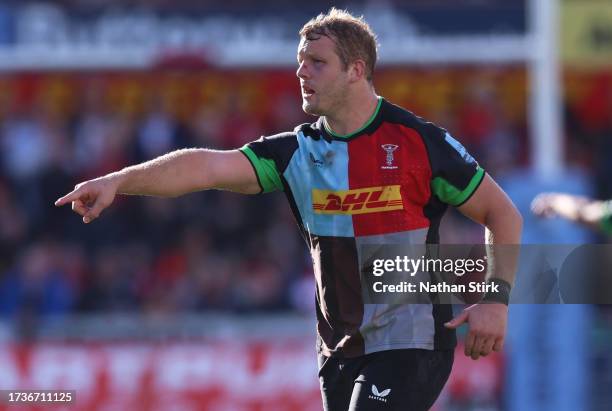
578 209
171 175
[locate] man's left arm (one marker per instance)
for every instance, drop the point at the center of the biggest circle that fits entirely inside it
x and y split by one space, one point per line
491 207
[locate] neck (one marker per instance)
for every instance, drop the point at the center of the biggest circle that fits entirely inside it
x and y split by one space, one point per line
354 114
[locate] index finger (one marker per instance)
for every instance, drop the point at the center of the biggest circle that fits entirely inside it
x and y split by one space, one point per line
71 196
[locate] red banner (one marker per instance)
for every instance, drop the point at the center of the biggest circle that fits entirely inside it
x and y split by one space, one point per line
206 376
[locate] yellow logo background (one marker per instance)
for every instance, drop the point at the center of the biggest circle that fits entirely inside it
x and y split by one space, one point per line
357 201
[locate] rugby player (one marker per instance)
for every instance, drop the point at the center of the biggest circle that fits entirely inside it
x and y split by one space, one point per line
595 214
365 172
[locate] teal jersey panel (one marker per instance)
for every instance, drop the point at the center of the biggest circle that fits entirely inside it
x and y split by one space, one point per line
319 165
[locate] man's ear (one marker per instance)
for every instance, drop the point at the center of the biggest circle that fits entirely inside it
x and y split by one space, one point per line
357 70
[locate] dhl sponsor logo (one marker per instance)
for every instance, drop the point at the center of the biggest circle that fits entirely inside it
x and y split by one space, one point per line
357 201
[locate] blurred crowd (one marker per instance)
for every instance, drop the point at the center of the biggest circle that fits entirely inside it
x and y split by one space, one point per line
211 250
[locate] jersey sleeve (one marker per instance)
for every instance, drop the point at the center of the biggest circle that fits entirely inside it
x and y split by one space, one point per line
455 173
269 157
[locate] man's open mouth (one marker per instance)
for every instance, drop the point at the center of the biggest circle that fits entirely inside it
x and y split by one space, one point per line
307 91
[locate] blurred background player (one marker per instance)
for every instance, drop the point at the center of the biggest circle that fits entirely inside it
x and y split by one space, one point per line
595 214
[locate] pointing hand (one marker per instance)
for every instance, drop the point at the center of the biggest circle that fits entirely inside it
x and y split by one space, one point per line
91 197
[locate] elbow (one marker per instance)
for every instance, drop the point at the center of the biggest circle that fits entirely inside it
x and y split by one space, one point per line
505 219
517 219
512 213
514 224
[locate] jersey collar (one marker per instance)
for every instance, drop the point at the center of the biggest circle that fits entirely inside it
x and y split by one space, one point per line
370 123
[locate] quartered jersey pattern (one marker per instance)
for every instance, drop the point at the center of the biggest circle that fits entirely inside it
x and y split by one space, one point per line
388 183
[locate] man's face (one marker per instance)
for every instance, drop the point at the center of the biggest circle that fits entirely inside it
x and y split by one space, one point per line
323 81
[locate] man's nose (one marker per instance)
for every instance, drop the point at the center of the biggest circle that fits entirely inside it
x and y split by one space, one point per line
302 72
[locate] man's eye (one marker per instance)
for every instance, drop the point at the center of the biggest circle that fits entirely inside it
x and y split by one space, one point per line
317 61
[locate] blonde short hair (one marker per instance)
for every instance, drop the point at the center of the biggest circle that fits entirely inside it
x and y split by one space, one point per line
353 37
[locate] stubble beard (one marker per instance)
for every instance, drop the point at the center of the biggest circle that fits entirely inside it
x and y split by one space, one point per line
313 107
310 108
335 100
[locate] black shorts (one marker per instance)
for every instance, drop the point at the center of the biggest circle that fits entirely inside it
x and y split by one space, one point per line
394 380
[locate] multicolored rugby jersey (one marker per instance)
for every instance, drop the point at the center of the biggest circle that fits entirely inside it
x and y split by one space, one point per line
388 183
